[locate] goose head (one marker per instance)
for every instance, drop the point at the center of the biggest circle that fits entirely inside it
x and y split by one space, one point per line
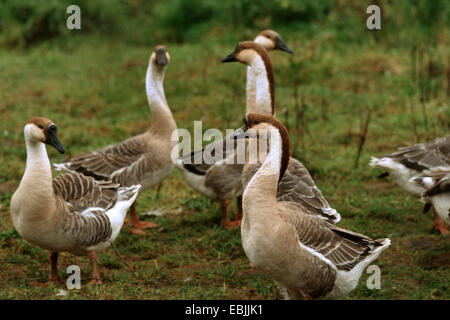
246 52
263 126
160 56
271 40
43 130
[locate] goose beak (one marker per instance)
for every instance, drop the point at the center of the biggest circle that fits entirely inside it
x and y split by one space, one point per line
52 138
229 58
280 45
241 134
161 59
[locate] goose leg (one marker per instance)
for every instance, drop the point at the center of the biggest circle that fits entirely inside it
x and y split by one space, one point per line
439 224
158 189
226 223
138 224
53 276
96 279
239 205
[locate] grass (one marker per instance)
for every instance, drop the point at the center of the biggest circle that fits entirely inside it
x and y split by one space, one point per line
93 89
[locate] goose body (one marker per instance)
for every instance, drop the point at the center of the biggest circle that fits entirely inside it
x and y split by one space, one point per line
144 159
221 180
72 212
409 162
436 185
410 167
307 256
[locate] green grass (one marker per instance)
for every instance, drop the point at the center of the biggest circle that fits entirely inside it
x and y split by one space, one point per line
93 89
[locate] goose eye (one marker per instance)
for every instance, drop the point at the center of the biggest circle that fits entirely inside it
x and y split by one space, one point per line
40 126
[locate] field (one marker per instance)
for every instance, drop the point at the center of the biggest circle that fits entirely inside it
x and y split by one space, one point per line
93 89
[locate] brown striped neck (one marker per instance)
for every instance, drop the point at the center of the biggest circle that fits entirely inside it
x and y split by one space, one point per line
162 119
261 72
257 121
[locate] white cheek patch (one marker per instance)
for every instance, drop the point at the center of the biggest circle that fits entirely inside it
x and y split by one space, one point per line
265 42
33 133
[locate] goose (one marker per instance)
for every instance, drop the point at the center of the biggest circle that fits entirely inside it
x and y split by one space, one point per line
71 213
144 159
220 181
308 257
408 163
296 185
436 185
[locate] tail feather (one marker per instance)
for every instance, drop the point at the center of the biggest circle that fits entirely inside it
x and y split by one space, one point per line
128 194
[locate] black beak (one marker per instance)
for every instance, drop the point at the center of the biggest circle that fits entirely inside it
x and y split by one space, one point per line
280 45
241 134
230 58
161 59
51 138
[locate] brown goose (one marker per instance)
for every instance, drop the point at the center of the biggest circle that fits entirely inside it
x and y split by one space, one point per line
72 212
409 163
297 184
308 257
220 181
143 159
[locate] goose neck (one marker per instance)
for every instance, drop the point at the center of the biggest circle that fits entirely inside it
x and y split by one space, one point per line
263 185
261 84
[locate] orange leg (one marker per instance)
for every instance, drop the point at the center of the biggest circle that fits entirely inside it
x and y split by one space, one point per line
138 224
226 223
439 224
96 279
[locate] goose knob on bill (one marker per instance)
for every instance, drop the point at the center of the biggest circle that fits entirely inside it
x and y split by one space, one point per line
144 159
71 213
308 257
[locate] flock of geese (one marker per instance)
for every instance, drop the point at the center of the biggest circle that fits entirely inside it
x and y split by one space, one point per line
288 229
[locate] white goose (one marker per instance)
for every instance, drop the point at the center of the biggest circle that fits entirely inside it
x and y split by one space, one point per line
308 257
409 163
143 159
436 183
297 184
220 181
70 213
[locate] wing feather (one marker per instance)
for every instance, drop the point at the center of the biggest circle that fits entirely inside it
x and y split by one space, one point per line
344 248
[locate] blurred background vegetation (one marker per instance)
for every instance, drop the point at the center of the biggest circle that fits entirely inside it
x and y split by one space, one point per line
27 22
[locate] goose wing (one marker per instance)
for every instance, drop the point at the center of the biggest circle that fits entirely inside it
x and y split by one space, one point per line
343 248
82 192
425 155
84 202
123 163
441 182
298 186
